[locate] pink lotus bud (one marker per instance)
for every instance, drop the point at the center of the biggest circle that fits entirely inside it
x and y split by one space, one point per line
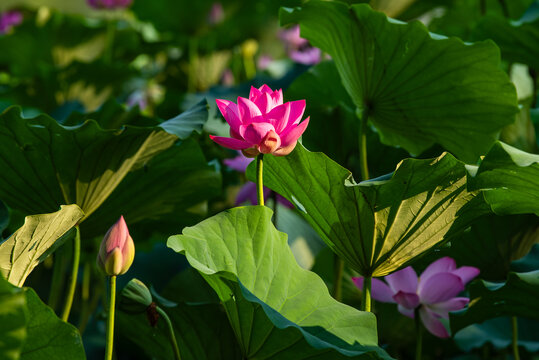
262 123
117 250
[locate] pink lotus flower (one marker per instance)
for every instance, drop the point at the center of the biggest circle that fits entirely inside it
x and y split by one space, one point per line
117 250
248 191
8 20
434 294
262 123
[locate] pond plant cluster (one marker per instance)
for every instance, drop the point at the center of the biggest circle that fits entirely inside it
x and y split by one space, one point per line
269 179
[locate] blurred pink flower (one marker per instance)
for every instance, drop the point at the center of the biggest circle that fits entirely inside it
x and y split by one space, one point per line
434 294
299 49
262 123
248 191
109 4
264 61
9 19
217 14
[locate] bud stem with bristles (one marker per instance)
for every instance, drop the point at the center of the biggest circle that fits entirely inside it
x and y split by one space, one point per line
110 321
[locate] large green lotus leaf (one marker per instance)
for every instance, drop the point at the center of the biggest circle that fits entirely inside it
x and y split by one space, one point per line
45 165
4 218
493 242
380 225
35 240
31 330
48 337
509 180
517 297
417 88
517 39
332 112
276 308
172 182
13 319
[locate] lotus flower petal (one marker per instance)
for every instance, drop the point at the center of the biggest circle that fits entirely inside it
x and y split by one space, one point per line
440 287
231 143
403 280
432 323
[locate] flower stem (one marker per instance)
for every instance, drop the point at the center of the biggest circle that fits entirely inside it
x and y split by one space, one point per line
193 60
419 334
514 324
366 301
57 281
110 323
109 41
74 274
173 341
337 284
259 181
85 296
363 117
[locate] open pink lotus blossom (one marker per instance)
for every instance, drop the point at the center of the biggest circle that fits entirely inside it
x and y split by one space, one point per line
262 123
248 191
434 293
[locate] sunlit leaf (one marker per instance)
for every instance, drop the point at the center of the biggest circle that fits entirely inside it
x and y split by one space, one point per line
509 179
377 226
274 306
39 236
417 88
45 165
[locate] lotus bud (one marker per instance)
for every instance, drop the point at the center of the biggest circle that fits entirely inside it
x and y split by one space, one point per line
117 250
136 297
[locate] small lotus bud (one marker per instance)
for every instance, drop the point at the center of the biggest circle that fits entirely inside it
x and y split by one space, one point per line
117 250
136 297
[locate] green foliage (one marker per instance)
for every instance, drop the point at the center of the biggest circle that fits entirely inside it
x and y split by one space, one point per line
274 306
416 88
82 164
380 225
509 179
516 39
493 242
31 330
517 297
40 236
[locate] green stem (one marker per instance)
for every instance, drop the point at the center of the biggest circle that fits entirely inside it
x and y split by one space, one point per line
109 41
366 300
259 180
74 274
85 296
363 117
483 7
337 284
173 341
505 9
110 323
419 334
57 281
514 324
